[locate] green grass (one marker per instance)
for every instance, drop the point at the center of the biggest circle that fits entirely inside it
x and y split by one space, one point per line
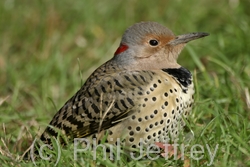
49 48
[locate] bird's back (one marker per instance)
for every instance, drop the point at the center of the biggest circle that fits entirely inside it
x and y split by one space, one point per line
129 104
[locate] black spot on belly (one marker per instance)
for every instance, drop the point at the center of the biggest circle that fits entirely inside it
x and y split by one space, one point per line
181 74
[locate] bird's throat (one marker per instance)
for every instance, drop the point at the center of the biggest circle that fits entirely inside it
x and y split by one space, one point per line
121 49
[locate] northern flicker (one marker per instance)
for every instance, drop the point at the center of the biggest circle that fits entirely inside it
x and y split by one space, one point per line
141 93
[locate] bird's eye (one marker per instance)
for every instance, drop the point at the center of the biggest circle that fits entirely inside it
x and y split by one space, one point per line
153 42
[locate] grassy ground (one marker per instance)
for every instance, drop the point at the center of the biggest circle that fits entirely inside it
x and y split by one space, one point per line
48 49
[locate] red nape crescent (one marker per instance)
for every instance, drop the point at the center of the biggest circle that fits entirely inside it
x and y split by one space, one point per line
121 49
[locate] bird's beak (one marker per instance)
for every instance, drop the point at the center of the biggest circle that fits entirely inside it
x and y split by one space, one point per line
180 39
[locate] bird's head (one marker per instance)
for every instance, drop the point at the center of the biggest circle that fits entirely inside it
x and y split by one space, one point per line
149 45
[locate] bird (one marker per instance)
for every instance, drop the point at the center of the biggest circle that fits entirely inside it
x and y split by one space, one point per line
141 95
